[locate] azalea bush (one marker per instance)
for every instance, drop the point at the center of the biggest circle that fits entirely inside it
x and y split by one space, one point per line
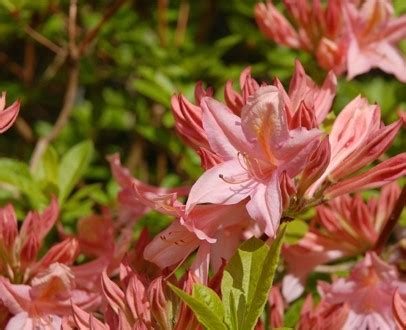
213 165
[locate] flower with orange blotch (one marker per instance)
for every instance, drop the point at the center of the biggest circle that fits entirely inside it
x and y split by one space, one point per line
368 293
344 227
305 104
317 30
373 35
44 302
7 115
345 35
257 149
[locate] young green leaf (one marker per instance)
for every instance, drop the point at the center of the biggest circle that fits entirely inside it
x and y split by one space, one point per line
251 271
205 304
72 167
48 166
17 175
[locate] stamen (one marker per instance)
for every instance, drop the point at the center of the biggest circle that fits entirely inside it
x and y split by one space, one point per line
233 180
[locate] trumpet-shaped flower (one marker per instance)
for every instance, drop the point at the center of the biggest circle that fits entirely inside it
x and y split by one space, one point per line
305 104
257 148
368 293
373 35
44 302
352 36
346 226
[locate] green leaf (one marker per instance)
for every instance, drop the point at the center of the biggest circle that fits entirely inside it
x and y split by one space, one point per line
250 271
201 303
18 176
48 166
72 167
210 298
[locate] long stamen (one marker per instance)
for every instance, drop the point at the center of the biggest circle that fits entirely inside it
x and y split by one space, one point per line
233 180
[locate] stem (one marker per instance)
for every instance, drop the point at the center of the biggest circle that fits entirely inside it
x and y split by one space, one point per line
391 223
69 100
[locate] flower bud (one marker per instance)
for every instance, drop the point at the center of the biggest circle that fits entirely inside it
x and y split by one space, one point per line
8 227
316 165
159 303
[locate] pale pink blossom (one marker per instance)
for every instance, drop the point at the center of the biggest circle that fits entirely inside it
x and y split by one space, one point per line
315 29
368 292
373 36
346 226
203 229
45 301
257 148
344 35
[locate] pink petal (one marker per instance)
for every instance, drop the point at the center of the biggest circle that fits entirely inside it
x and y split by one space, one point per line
223 129
112 293
232 184
8 115
265 205
171 246
264 123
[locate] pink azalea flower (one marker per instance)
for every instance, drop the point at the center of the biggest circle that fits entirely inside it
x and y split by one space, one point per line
43 303
373 35
346 226
7 115
352 36
368 292
318 30
257 149
305 103
203 229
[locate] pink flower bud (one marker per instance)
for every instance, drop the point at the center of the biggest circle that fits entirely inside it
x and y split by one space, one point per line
288 189
303 117
64 252
315 167
8 227
377 144
159 303
30 249
379 175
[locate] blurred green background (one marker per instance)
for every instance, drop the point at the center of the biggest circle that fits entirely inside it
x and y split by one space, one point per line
143 54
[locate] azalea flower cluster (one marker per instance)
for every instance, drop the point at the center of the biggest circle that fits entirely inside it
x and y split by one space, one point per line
268 155
345 36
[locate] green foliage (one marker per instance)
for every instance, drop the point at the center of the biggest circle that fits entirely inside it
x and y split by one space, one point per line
245 287
205 304
72 166
16 176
